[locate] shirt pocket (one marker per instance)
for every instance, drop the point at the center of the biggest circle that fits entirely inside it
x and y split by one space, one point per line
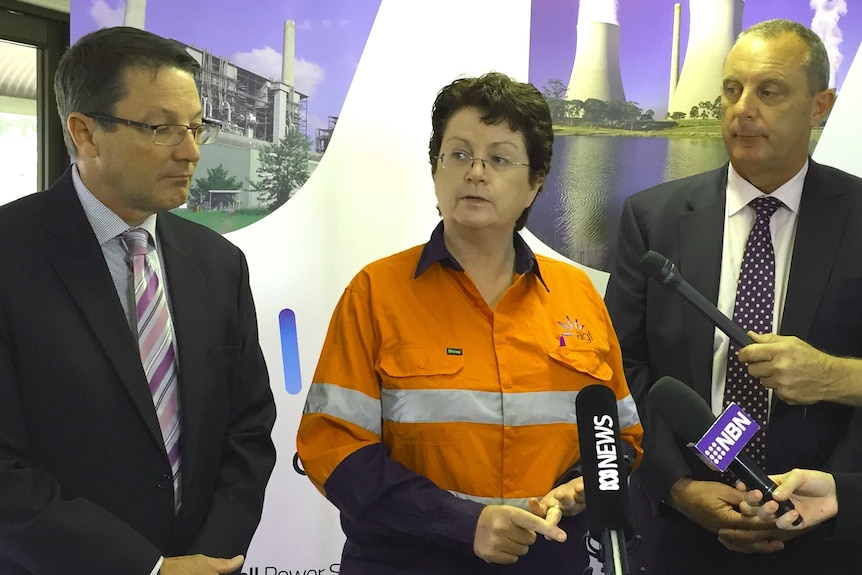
574 367
583 359
418 367
419 388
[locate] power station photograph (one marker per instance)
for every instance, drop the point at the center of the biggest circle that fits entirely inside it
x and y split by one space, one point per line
634 88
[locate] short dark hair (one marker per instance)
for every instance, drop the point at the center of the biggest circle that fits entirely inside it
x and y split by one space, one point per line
90 78
499 99
816 61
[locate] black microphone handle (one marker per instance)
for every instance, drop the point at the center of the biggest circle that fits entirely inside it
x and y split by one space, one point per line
754 478
711 312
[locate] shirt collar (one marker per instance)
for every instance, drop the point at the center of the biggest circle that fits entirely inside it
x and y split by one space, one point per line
740 191
105 223
436 251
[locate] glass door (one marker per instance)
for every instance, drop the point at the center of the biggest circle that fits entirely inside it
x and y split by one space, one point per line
32 153
19 136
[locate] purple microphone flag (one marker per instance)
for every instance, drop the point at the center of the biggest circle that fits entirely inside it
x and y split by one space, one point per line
723 441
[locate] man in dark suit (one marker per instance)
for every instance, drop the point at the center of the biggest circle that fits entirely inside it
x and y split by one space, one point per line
127 449
774 91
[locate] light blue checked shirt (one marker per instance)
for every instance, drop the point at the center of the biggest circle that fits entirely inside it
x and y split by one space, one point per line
108 228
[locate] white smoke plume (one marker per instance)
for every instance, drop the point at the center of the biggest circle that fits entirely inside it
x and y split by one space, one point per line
104 15
599 11
825 24
267 62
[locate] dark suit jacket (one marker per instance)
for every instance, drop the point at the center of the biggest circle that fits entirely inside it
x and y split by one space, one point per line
662 334
848 523
84 478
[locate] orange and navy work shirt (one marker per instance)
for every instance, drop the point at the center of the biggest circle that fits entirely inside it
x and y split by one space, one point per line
423 392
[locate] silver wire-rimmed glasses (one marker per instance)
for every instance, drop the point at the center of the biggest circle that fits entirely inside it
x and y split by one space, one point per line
169 134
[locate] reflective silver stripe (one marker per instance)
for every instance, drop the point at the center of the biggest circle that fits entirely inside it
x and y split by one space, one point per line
441 406
467 406
538 407
628 411
511 409
347 404
521 502
452 405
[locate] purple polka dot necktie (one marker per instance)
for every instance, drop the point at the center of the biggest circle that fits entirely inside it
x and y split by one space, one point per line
155 342
753 310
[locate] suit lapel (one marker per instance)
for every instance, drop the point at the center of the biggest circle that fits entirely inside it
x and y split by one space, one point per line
186 288
822 214
78 261
701 229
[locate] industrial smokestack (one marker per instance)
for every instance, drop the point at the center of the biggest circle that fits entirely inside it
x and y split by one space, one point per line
674 53
289 53
712 30
596 71
135 13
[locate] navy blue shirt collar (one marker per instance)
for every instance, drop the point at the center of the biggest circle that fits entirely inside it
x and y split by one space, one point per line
435 251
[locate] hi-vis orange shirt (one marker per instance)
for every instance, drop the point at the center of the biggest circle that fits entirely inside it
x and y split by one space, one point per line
480 402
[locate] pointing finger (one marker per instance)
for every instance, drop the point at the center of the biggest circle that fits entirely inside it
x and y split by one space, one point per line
527 520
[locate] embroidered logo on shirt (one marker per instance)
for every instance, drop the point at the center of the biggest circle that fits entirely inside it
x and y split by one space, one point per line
574 329
454 351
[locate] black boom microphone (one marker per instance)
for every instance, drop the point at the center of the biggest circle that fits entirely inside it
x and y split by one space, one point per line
664 272
689 417
608 509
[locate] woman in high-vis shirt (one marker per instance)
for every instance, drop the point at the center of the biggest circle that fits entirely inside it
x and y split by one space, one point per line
441 417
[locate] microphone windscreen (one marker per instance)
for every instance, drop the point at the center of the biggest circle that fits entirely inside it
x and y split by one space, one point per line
656 266
603 461
687 414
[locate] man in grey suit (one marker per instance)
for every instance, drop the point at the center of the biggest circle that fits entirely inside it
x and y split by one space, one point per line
135 407
774 91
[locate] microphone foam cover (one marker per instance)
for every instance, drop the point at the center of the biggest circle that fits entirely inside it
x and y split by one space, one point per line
656 266
681 407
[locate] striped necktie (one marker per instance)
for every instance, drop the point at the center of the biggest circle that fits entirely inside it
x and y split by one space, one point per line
155 343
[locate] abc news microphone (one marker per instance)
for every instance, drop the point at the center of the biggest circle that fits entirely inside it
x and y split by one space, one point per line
691 419
608 510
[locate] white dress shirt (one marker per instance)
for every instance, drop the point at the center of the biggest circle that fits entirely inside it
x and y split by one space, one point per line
739 218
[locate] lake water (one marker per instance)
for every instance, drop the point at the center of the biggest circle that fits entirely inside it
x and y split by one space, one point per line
578 211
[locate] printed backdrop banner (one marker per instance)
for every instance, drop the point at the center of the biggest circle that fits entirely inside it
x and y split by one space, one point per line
371 193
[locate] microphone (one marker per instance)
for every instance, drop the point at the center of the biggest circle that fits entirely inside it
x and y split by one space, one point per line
689 417
608 510
663 271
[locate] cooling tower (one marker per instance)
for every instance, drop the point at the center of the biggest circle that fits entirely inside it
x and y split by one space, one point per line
596 71
134 13
712 30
